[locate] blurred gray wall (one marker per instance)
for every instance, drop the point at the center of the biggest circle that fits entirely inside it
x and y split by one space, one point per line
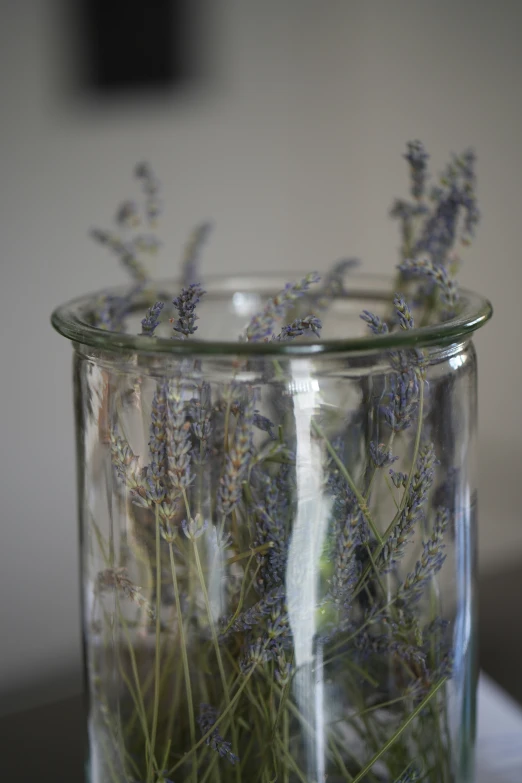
292 144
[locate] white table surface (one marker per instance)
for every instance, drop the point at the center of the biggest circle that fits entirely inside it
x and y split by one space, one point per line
499 737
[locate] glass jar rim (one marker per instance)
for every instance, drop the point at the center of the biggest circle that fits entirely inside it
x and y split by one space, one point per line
71 320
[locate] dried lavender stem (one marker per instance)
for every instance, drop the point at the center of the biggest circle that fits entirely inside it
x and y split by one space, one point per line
136 696
393 739
340 763
123 753
241 599
112 771
250 553
215 725
134 666
157 656
213 631
360 498
290 706
186 670
291 762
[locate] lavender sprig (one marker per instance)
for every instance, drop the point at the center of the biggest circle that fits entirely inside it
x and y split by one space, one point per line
150 323
298 327
403 312
236 463
186 304
178 439
368 645
156 471
257 613
403 400
190 271
376 324
411 775
417 157
208 716
380 455
272 512
413 511
262 325
438 274
117 578
430 562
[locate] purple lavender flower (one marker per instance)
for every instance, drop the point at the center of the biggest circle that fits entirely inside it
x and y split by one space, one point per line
349 530
191 258
285 668
151 321
236 463
255 654
208 716
403 400
123 458
382 644
413 510
264 424
178 439
186 304
262 325
403 312
455 193
156 477
195 527
380 455
417 157
272 513
437 274
257 613
375 323
346 567
411 775
430 562
168 511
200 413
117 578
298 327
399 479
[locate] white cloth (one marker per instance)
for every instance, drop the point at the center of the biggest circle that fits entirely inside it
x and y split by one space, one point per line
499 735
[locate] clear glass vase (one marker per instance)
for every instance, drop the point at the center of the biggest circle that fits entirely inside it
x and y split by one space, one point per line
277 543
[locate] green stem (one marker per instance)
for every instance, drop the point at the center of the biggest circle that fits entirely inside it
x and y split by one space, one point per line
240 601
157 657
393 739
186 670
286 743
138 695
250 553
339 760
291 762
404 498
360 498
215 725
